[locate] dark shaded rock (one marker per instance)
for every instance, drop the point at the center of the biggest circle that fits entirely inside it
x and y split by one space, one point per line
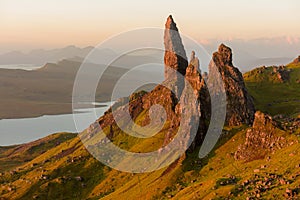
205 76
282 73
240 107
161 95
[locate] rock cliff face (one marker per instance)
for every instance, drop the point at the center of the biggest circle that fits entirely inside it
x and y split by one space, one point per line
263 138
198 103
240 107
175 56
187 105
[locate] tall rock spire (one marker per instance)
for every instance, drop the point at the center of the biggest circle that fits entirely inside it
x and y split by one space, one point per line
240 107
175 56
198 103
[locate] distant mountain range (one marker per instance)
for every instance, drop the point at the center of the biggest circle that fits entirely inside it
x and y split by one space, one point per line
248 53
41 56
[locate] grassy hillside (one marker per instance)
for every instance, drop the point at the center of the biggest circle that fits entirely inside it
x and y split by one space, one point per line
13 156
55 173
59 166
273 96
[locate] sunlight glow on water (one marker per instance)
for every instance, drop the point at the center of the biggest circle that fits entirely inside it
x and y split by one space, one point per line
17 131
27 67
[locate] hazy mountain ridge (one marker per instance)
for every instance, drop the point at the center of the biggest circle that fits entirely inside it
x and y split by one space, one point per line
41 56
249 53
48 90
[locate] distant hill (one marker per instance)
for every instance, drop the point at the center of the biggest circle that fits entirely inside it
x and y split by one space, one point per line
41 56
276 90
48 90
247 64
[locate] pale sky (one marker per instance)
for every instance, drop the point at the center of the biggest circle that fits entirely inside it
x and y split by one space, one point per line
29 24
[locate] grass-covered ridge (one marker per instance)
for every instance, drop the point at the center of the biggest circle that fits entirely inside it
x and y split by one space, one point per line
273 96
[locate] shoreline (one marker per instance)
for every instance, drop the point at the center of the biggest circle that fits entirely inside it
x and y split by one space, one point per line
61 111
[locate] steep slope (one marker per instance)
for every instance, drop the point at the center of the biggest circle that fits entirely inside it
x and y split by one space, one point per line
14 156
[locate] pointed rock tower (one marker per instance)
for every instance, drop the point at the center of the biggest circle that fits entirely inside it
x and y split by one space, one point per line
198 103
186 102
175 56
240 107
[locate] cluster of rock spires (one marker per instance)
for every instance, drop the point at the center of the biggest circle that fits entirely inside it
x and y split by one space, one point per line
179 74
240 107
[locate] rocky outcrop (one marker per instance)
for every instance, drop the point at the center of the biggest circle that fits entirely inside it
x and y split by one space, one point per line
175 56
273 74
282 73
198 102
297 60
184 95
264 137
240 107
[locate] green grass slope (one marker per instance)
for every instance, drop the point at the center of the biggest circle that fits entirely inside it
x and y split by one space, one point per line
68 171
59 166
272 96
13 156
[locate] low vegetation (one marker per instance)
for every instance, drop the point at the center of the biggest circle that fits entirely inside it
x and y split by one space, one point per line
59 166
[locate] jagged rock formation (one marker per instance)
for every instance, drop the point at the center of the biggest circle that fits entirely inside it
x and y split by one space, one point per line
183 108
264 137
175 56
198 102
240 107
188 101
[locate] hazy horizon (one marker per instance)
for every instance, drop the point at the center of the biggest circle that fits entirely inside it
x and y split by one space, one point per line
30 24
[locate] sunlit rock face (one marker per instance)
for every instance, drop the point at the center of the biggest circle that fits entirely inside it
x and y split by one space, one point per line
240 107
